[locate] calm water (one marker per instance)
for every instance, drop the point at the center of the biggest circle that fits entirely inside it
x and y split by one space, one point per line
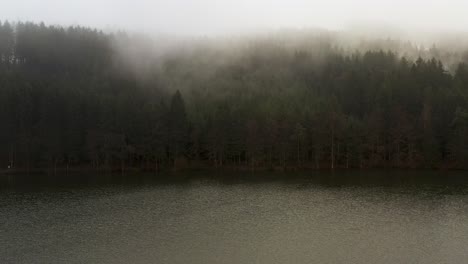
358 217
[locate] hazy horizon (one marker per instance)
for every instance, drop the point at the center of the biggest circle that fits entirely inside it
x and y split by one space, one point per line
210 18
208 131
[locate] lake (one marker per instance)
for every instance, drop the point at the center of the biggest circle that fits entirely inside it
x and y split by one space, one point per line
215 217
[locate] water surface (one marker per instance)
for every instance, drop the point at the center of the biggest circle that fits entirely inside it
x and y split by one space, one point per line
310 217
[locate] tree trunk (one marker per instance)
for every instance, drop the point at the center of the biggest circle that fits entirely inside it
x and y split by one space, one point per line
317 164
122 166
333 149
347 158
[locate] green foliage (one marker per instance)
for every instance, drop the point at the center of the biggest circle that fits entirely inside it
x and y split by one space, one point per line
67 100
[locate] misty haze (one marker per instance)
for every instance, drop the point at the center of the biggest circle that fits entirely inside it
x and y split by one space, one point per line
233 131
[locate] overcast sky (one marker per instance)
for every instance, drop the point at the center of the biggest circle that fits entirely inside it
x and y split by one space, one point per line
207 17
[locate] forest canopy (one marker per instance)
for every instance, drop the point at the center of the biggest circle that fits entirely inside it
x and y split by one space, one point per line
79 97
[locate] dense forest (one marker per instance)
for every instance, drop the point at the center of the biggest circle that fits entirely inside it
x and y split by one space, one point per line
80 98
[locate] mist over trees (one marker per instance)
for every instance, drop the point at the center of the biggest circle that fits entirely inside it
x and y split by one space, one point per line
77 97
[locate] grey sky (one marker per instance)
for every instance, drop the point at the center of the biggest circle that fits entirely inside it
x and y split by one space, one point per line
223 16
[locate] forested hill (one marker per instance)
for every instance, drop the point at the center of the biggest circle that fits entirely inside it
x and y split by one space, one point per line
74 97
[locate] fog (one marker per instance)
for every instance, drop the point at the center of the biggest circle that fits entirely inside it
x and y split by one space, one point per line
221 17
271 85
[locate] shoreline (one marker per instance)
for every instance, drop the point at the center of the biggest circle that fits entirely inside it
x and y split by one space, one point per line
132 170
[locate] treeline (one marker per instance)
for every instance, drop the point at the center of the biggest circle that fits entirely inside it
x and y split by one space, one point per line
68 99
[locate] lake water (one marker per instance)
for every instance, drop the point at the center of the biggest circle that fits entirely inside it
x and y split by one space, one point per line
309 217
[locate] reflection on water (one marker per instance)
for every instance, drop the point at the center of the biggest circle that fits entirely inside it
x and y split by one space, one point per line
310 217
